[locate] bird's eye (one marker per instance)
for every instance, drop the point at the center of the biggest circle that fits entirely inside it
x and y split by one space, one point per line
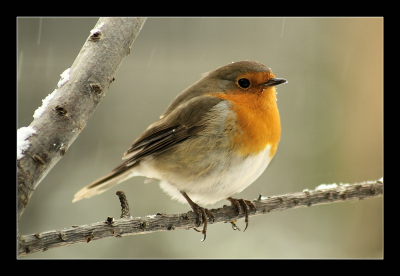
244 83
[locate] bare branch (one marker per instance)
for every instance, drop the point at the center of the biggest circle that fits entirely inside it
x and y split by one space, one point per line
124 204
58 122
324 194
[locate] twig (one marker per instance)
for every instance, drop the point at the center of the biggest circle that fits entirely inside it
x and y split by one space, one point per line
67 111
162 222
124 205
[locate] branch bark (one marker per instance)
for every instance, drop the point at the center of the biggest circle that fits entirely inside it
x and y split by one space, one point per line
75 100
124 205
324 194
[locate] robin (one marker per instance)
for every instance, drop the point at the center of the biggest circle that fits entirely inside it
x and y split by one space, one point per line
213 140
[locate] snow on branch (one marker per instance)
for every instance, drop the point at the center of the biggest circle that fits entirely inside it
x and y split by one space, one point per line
65 112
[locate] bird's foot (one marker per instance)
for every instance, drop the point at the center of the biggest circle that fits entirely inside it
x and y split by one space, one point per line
202 214
239 203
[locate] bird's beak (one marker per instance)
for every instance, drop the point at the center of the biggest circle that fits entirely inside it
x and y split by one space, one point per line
274 82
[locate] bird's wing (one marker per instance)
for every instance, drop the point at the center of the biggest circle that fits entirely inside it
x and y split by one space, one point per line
183 122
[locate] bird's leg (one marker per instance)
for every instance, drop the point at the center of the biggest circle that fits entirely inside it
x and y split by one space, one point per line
201 214
239 203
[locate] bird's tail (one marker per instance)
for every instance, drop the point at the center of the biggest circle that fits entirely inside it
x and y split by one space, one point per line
103 184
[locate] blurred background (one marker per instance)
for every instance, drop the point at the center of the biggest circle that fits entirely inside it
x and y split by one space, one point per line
332 131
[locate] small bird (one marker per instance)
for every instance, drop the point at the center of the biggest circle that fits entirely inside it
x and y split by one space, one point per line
213 140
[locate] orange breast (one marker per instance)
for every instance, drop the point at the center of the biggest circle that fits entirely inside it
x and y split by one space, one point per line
257 121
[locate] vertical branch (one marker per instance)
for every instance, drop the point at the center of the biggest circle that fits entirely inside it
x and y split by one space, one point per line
124 205
64 115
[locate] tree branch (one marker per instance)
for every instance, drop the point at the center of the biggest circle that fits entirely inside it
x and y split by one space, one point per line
124 205
323 194
65 112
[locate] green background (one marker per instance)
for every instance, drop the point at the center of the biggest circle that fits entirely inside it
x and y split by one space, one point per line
332 131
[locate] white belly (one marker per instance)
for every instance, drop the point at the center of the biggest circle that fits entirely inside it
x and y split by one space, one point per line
230 179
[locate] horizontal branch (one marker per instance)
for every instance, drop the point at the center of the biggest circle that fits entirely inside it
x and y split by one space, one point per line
324 194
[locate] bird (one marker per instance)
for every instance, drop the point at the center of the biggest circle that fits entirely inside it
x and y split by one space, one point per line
213 140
